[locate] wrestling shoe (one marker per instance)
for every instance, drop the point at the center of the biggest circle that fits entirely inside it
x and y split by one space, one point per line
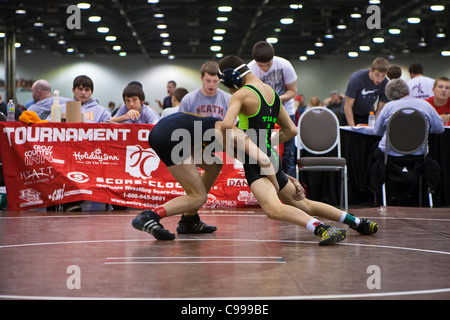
366 227
148 221
329 235
193 224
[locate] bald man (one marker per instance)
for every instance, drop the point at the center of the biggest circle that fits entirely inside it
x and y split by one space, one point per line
43 98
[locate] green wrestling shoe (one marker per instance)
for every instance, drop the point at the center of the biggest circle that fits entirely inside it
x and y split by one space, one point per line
329 235
366 227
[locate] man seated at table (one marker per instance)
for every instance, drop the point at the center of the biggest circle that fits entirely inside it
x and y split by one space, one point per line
398 92
43 98
441 99
92 111
134 110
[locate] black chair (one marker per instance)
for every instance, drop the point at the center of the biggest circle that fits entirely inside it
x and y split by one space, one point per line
318 133
407 133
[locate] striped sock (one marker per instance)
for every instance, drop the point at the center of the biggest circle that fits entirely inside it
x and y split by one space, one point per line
349 219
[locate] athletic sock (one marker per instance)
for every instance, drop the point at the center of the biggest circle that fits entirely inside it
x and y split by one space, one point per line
312 224
349 219
160 211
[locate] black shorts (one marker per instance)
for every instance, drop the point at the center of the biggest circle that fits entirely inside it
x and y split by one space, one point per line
253 173
161 143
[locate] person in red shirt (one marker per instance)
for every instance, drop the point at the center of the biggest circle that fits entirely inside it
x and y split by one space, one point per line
441 99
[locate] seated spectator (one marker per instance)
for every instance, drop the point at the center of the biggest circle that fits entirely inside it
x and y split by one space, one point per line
420 86
177 96
134 110
394 72
397 91
92 111
441 99
334 102
43 99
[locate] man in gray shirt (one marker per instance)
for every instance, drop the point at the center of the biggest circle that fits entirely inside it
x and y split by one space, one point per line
208 100
43 98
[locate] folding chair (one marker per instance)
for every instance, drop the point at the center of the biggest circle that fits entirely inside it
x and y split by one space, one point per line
407 133
318 133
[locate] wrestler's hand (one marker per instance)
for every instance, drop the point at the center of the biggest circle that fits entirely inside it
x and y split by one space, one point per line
268 170
300 192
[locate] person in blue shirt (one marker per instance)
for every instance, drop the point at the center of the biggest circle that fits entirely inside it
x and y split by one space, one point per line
134 110
364 89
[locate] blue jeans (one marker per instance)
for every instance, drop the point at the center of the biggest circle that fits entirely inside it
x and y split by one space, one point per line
289 156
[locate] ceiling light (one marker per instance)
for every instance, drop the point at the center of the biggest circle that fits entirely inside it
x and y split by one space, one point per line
364 48
353 54
220 31
167 43
374 1
318 43
310 52
378 40
295 6
38 24
171 57
70 50
395 31
117 48
61 42
413 20
219 55
303 58
161 26
152 1
111 38
164 35
52 34
217 38
102 30
83 5
123 54
21 11
287 21
2 35
225 8
94 19
28 51
158 15
222 19
422 42
440 35
437 8
445 53
272 40
164 51
341 26
17 45
215 48
329 35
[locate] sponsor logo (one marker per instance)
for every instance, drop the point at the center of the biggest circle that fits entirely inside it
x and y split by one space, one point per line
140 162
79 177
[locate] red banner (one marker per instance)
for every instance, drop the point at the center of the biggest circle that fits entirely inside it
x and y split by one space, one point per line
55 163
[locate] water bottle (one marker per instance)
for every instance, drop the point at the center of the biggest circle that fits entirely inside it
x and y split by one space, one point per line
11 108
371 119
56 107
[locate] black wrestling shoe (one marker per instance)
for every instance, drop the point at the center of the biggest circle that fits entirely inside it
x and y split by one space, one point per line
193 224
148 221
366 227
329 235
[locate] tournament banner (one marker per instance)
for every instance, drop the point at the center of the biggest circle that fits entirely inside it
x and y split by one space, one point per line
46 164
